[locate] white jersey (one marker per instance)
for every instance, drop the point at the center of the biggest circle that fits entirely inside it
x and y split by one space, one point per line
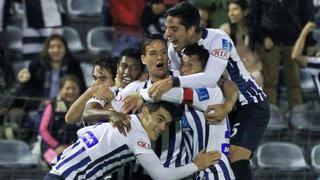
313 67
168 146
223 59
101 150
198 135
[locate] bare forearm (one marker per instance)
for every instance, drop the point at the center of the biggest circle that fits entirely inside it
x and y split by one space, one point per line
94 115
299 45
75 111
230 92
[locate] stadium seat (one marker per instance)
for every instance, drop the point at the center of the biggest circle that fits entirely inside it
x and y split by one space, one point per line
276 122
14 38
315 157
84 7
16 154
73 39
281 156
100 39
87 73
305 117
18 9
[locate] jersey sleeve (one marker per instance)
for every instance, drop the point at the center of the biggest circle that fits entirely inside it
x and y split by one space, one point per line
220 50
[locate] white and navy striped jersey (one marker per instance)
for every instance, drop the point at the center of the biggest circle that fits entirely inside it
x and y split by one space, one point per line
101 150
313 67
198 135
223 59
168 146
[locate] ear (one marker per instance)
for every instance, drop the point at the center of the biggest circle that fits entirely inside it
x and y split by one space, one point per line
145 111
192 30
143 59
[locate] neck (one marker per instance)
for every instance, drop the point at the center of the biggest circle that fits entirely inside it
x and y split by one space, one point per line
155 79
55 64
194 39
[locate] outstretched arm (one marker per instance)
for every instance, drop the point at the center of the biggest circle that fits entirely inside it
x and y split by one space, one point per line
300 44
152 164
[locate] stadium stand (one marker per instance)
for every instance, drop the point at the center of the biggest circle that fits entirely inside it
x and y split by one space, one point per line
315 158
73 39
100 40
84 7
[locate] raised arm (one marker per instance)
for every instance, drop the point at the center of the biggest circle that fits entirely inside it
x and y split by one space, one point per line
300 44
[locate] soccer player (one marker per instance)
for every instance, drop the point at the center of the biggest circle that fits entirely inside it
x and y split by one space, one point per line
312 64
102 149
252 110
197 133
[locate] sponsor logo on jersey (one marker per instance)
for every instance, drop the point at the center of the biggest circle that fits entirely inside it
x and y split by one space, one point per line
202 94
89 139
225 148
226 45
143 144
221 53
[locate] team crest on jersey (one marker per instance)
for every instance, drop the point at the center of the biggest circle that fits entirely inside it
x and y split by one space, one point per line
143 144
221 53
202 94
89 139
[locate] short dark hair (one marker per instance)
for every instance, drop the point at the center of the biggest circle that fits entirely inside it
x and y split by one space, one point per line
242 3
107 62
187 13
195 49
69 77
170 107
132 53
148 39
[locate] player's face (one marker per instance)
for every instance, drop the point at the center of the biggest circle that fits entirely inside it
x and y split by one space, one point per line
56 50
128 70
190 65
156 122
235 13
177 34
102 76
156 59
70 91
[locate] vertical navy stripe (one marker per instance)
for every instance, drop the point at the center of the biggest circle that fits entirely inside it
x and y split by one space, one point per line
179 156
77 166
207 126
158 148
225 170
214 172
172 140
198 126
71 157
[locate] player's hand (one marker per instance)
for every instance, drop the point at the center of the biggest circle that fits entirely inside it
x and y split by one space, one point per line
215 113
205 159
24 75
132 103
121 121
267 43
159 88
103 92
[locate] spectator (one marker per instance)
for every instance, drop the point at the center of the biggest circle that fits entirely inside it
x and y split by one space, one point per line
311 63
41 78
204 12
152 20
126 21
56 134
238 30
277 25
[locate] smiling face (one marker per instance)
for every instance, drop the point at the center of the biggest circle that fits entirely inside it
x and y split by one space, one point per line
155 122
177 34
190 65
235 13
156 60
102 76
128 70
70 91
56 50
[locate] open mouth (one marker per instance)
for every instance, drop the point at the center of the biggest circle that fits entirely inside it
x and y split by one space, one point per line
127 79
157 133
160 64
